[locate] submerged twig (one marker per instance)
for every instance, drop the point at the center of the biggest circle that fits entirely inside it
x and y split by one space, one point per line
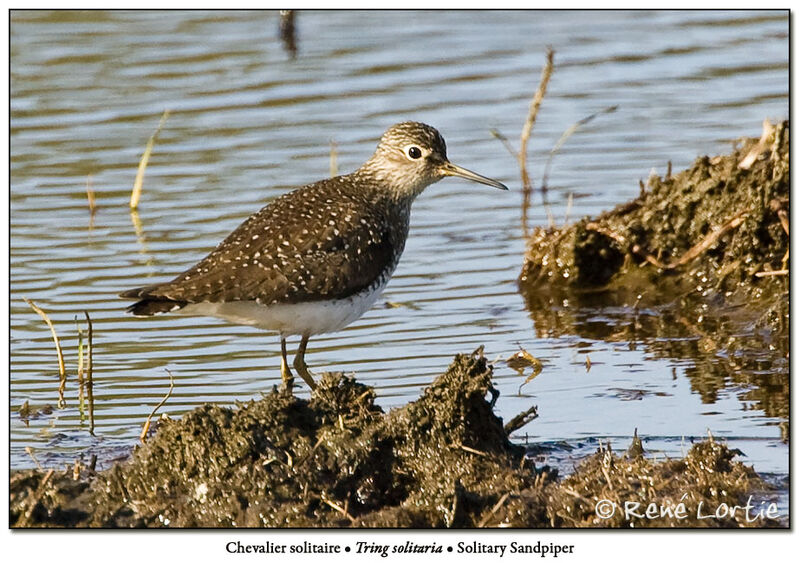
146 425
286 31
61 370
137 183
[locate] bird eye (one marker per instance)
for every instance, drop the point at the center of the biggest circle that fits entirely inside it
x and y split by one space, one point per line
414 152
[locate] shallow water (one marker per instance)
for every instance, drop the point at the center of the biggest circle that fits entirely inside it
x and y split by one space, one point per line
249 122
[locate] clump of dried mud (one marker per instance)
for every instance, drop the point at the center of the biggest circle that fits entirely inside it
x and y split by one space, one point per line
704 489
715 230
337 460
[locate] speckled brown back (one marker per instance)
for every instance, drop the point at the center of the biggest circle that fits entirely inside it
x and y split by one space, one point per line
326 240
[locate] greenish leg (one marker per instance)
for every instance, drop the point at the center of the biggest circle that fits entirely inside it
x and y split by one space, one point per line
286 373
300 363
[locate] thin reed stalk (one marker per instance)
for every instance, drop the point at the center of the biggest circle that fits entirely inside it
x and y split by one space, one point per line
81 384
136 193
146 425
527 128
89 369
62 373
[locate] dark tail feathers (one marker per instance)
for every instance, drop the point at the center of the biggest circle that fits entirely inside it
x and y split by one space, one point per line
149 305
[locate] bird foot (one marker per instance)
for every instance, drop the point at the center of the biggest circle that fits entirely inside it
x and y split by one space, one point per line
302 371
287 377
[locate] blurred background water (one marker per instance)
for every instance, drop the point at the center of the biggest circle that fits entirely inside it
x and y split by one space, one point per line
249 122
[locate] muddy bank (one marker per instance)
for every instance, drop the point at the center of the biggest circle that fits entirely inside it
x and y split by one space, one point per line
718 229
696 267
337 460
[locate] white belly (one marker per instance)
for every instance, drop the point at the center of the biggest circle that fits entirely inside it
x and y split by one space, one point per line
290 319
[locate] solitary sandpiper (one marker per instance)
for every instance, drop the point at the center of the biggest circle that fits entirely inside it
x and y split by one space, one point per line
315 259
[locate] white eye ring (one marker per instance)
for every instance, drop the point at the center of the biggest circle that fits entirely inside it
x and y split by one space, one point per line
413 152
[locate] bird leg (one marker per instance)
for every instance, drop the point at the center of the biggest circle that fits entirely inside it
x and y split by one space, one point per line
300 363
286 373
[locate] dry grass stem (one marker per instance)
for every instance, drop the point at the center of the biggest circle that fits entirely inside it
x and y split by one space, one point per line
29 451
768 130
81 382
61 370
23 521
533 109
137 183
709 240
698 248
570 198
772 273
527 128
473 451
89 367
607 232
506 143
146 426
339 509
305 458
784 217
557 147
485 519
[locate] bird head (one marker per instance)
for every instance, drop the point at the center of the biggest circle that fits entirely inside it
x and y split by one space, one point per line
411 156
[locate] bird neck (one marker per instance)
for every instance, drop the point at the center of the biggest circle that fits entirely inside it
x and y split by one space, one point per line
391 182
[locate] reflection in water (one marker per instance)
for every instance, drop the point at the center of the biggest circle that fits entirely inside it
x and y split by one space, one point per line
287 32
724 346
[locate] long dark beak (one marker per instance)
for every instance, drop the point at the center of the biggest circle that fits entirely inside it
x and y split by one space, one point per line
450 169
